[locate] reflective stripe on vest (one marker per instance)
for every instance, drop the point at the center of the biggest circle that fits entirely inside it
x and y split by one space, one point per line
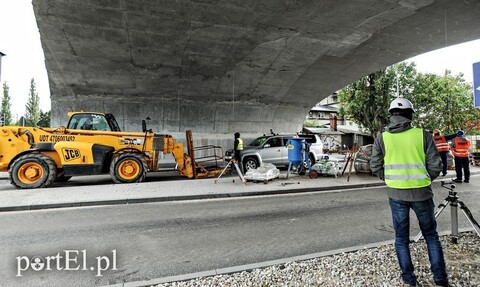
240 144
441 143
461 147
405 163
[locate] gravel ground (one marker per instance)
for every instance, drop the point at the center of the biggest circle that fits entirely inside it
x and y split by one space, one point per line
368 267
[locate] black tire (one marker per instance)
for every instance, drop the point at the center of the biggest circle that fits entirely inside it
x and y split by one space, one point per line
128 168
250 163
33 170
312 161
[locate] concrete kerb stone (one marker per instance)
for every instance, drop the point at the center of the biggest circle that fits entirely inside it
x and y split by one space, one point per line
170 279
61 205
250 267
277 191
247 267
185 197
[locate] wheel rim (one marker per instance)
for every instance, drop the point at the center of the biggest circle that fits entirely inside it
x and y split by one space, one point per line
250 165
305 163
30 172
128 169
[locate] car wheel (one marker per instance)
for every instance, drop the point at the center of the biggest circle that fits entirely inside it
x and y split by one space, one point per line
250 163
312 161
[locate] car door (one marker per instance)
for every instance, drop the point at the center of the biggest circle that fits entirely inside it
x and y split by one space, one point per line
272 151
284 158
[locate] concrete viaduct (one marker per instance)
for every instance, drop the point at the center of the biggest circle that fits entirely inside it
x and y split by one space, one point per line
220 66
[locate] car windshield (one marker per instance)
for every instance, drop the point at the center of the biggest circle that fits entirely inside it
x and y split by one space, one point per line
259 141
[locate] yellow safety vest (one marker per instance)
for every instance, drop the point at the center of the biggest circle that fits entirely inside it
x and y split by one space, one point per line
405 163
240 144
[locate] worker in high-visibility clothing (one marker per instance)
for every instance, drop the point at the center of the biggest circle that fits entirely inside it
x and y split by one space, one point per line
237 149
407 159
443 147
461 151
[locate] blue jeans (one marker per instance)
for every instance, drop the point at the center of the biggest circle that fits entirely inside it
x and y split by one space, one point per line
428 225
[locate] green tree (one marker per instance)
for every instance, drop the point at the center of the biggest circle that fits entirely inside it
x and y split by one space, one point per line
45 119
6 105
443 102
366 101
32 109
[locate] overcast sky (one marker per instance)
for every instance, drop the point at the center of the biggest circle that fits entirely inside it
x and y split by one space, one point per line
24 60
458 59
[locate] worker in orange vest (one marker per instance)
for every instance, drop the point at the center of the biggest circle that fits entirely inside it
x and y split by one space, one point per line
461 147
443 147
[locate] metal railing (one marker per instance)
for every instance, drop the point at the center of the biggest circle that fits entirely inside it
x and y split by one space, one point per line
209 156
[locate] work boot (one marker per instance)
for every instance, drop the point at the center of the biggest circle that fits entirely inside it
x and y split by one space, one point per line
457 180
466 181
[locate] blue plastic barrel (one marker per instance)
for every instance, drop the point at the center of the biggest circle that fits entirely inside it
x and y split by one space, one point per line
295 150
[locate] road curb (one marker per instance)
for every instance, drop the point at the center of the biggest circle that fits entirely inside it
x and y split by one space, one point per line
250 267
197 196
186 197
246 267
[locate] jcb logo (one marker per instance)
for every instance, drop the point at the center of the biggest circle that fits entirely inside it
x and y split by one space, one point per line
71 154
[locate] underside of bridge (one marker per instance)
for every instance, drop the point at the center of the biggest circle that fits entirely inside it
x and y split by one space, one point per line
220 66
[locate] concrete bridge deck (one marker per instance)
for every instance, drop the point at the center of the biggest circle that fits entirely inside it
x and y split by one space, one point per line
220 66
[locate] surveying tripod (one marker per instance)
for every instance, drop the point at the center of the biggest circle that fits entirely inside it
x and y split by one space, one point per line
454 202
237 168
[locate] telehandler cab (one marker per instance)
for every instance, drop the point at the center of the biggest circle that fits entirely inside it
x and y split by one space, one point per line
91 144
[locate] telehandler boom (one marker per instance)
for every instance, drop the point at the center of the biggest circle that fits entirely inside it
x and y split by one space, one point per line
91 144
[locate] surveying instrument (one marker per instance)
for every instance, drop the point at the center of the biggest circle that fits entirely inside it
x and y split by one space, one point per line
454 202
237 168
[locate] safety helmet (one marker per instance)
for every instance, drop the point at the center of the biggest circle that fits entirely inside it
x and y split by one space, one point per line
437 132
401 104
460 133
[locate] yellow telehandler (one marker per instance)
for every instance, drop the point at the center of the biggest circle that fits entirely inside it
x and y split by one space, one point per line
91 144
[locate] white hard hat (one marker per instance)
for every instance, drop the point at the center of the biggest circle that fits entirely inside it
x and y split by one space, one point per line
401 104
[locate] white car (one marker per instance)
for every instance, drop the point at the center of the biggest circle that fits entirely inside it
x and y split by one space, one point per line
273 149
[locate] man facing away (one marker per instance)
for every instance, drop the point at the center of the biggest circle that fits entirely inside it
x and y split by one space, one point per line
443 147
461 147
408 160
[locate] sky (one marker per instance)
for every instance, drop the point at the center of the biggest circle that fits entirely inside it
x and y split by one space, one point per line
458 59
24 60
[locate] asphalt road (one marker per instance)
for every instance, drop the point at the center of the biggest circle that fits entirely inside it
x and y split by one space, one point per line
162 239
